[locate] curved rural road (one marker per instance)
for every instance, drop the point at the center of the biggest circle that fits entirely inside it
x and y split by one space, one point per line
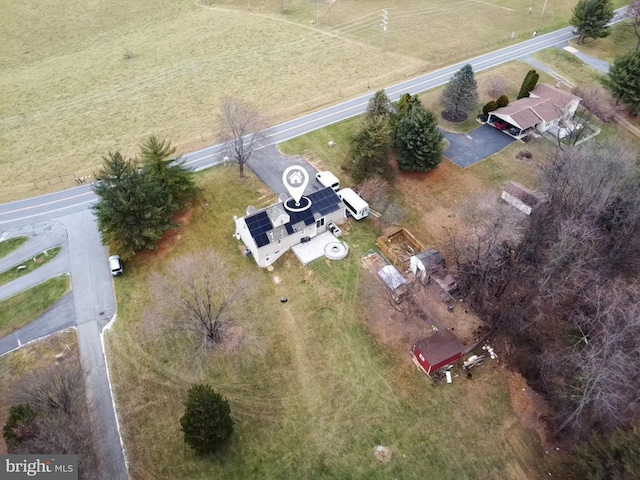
93 298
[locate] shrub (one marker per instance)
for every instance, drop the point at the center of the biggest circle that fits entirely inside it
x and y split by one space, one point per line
207 424
502 101
489 107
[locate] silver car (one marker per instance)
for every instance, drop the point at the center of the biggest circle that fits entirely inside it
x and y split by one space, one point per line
115 264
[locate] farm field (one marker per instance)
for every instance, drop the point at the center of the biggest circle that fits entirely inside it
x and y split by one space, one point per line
312 388
80 80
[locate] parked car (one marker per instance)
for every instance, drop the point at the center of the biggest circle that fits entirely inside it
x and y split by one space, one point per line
500 125
115 265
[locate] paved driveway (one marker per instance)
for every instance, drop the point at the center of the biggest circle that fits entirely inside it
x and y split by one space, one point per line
467 149
89 306
269 164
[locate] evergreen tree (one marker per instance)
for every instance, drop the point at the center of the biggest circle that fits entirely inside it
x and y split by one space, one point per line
418 139
489 107
137 202
369 153
20 426
158 161
460 96
404 104
206 424
624 80
502 101
379 106
132 212
529 83
590 17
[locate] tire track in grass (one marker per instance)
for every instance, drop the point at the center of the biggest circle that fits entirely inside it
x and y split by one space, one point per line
366 362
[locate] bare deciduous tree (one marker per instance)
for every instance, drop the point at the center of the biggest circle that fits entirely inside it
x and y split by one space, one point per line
598 102
56 389
62 424
375 191
497 86
199 296
240 127
566 291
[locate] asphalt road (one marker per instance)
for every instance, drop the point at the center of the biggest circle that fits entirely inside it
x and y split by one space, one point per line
79 198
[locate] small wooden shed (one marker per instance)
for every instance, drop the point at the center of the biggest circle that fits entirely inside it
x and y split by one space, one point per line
430 263
393 279
437 351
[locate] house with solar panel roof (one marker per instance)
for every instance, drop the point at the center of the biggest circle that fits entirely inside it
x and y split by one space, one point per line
308 226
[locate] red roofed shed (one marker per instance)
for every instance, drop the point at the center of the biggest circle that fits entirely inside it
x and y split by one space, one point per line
436 351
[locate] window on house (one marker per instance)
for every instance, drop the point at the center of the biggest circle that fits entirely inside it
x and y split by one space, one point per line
320 222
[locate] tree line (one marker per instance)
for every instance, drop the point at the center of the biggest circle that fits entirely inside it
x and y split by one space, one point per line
563 288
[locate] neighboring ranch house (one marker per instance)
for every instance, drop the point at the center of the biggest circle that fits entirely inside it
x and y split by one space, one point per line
547 108
271 232
436 351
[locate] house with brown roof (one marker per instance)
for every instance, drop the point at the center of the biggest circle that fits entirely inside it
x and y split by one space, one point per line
547 108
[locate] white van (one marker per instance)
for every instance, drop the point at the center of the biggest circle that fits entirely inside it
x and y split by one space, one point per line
356 206
328 179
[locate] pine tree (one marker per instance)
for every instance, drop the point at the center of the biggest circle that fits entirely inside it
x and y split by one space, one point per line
529 83
590 17
624 80
418 140
379 106
132 212
460 96
158 161
206 424
137 202
369 153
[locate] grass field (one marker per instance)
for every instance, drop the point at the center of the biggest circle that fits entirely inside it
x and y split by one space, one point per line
21 309
81 79
11 244
621 40
30 265
311 390
570 67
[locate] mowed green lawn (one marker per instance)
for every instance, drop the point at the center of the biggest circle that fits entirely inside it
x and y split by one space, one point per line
80 79
311 390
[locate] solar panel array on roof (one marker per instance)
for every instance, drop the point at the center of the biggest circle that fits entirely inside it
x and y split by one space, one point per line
261 240
258 223
324 201
305 216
